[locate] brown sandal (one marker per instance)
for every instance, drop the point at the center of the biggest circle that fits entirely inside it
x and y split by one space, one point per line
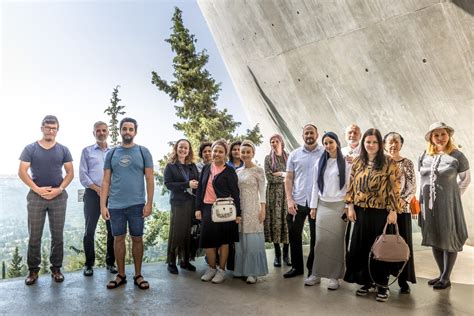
143 284
114 284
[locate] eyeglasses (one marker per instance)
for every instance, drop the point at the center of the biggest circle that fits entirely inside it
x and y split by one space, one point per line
50 129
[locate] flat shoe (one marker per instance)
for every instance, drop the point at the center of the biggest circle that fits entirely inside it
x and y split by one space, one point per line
173 269
405 290
433 281
441 285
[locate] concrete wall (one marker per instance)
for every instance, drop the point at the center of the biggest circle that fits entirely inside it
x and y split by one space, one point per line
395 65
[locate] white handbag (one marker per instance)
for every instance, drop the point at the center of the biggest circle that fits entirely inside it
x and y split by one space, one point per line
223 210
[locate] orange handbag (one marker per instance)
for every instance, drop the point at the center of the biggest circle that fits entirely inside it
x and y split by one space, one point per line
414 206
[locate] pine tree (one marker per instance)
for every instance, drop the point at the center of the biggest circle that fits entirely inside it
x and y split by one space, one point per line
114 110
44 260
15 267
100 243
4 270
197 92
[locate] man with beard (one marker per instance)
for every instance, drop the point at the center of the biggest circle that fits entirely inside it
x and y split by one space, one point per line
352 150
124 168
298 186
91 171
45 159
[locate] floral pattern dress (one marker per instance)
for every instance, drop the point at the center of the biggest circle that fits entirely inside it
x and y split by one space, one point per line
275 224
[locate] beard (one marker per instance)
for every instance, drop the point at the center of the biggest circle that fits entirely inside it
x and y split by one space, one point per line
310 141
127 139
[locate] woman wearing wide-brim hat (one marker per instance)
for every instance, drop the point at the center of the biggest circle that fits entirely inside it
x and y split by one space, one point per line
445 176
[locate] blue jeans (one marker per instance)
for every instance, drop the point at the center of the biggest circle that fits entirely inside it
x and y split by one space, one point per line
133 215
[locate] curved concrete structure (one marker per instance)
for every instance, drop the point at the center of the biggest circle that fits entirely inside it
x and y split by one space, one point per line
395 65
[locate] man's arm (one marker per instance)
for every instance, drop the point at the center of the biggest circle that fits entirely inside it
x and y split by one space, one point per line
25 177
104 193
84 177
150 191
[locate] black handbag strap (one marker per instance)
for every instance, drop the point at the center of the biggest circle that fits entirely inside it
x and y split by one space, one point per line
396 278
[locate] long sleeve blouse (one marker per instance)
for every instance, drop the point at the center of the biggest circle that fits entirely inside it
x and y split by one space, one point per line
332 192
372 188
407 182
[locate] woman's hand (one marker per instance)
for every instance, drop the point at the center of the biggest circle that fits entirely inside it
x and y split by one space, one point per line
392 217
313 213
193 184
351 214
238 219
198 215
261 216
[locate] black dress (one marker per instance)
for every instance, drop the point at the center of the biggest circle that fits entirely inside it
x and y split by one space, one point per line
176 178
225 184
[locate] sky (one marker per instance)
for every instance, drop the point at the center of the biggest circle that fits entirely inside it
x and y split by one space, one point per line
65 57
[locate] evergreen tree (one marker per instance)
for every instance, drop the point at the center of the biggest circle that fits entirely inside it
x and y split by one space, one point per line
15 267
4 270
196 92
44 260
114 110
100 243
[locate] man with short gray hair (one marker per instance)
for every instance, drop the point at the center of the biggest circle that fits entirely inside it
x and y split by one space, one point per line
91 171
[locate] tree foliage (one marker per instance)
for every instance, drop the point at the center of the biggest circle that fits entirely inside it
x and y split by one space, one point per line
15 269
114 110
195 92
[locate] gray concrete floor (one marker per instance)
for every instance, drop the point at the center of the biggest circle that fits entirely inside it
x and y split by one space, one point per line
185 294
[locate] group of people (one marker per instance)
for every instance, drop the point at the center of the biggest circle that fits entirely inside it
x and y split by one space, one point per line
348 194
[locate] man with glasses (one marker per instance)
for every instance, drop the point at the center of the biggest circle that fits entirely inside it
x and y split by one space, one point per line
45 159
124 169
91 171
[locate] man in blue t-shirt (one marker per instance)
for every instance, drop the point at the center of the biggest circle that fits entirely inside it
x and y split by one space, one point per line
124 168
45 159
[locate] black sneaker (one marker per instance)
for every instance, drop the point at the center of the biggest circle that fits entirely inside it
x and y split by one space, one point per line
111 269
363 291
88 271
382 294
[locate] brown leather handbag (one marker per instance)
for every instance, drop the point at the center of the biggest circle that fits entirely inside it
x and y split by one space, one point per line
389 248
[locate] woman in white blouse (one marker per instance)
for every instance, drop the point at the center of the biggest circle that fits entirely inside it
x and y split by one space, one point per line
250 255
327 205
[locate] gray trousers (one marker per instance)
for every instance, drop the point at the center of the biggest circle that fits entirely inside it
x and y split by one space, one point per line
37 209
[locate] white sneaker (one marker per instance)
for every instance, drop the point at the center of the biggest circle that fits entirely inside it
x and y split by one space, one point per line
333 284
210 273
312 280
219 277
251 280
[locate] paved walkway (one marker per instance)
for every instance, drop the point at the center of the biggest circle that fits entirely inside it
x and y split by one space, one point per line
185 294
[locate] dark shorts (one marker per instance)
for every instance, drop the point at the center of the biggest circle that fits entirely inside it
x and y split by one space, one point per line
133 215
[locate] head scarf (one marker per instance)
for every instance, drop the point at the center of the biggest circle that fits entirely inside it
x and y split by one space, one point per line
341 164
273 153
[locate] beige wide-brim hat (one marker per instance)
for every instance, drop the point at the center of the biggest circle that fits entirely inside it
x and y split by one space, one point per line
436 126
